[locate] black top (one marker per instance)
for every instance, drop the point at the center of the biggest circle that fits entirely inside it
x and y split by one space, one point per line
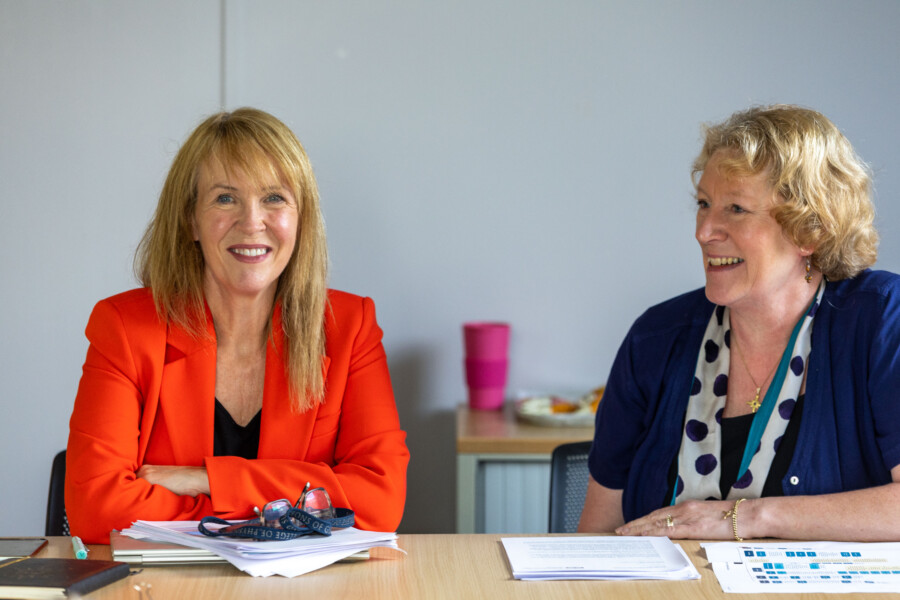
735 431
230 439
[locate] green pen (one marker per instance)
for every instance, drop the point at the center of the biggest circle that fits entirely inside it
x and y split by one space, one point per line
78 546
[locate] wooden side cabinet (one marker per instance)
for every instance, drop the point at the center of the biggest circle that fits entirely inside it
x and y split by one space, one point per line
503 470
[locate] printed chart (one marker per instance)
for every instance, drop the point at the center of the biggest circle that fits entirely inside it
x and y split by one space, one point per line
820 567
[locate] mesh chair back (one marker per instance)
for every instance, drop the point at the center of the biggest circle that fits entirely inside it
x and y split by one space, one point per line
57 523
568 485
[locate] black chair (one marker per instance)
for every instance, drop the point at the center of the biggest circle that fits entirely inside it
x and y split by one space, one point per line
57 523
568 485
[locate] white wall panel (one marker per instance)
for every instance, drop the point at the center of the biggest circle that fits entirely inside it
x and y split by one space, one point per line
529 161
496 159
95 98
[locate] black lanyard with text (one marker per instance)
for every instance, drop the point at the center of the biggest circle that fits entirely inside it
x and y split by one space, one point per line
293 524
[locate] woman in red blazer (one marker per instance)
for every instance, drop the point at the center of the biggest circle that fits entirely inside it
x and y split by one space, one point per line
234 377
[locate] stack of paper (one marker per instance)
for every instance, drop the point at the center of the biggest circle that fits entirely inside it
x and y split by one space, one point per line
604 557
261 559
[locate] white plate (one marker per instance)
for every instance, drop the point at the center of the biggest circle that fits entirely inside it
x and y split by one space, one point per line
537 410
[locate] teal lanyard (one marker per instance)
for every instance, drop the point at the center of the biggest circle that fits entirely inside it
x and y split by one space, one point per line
761 418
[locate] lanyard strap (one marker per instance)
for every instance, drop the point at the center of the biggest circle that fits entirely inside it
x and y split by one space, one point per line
761 418
289 528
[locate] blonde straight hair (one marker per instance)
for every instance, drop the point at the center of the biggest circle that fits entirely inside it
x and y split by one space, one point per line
171 264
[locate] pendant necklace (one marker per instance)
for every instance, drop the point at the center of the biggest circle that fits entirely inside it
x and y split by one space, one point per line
755 403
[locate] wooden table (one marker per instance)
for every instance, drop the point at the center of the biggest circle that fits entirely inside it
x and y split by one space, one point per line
495 441
435 567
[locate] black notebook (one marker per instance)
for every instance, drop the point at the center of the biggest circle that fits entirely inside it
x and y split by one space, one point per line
41 578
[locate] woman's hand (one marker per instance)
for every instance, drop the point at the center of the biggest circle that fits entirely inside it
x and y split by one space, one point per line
694 519
184 481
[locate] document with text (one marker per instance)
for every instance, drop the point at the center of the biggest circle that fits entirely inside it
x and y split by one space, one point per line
597 557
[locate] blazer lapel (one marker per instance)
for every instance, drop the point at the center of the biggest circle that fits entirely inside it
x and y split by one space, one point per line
283 432
187 398
187 394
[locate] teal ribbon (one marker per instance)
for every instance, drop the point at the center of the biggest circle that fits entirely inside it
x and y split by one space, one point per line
761 418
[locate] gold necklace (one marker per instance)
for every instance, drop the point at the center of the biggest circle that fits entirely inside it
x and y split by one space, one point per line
755 403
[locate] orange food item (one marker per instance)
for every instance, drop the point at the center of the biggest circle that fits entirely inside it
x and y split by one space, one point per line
558 405
598 394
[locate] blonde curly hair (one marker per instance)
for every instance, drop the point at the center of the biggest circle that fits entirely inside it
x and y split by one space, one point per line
825 187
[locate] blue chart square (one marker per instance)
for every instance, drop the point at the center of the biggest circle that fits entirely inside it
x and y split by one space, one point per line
779 565
846 577
795 577
813 565
767 565
748 552
761 553
845 554
789 553
810 553
802 581
764 581
826 576
756 570
801 553
856 554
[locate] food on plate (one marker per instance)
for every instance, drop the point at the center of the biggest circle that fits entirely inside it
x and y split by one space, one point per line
561 405
552 409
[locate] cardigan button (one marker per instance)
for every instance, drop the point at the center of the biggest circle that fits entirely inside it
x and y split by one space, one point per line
795 480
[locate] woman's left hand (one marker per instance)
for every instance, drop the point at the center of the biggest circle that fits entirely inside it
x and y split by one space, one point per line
694 519
184 481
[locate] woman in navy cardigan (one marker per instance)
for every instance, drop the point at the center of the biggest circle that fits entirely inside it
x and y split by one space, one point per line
766 404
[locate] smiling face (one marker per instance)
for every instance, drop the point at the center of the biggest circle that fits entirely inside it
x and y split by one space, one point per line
748 260
247 229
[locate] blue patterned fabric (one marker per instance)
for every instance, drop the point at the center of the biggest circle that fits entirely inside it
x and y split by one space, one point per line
701 445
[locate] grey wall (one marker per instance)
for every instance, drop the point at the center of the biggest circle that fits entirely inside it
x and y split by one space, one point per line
498 159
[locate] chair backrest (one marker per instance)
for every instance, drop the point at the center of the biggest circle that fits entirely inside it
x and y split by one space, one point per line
57 523
568 485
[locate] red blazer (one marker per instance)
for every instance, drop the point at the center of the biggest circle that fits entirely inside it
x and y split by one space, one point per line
147 396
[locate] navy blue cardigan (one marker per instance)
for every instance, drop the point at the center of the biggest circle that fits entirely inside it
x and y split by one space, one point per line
850 430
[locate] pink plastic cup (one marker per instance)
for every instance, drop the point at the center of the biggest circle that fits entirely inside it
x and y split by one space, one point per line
486 363
486 340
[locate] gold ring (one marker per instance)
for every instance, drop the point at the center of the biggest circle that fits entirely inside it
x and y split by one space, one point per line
670 522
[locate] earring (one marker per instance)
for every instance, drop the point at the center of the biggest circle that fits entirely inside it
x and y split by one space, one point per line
808 277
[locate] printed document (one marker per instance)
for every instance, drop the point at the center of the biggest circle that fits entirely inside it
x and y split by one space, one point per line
597 557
